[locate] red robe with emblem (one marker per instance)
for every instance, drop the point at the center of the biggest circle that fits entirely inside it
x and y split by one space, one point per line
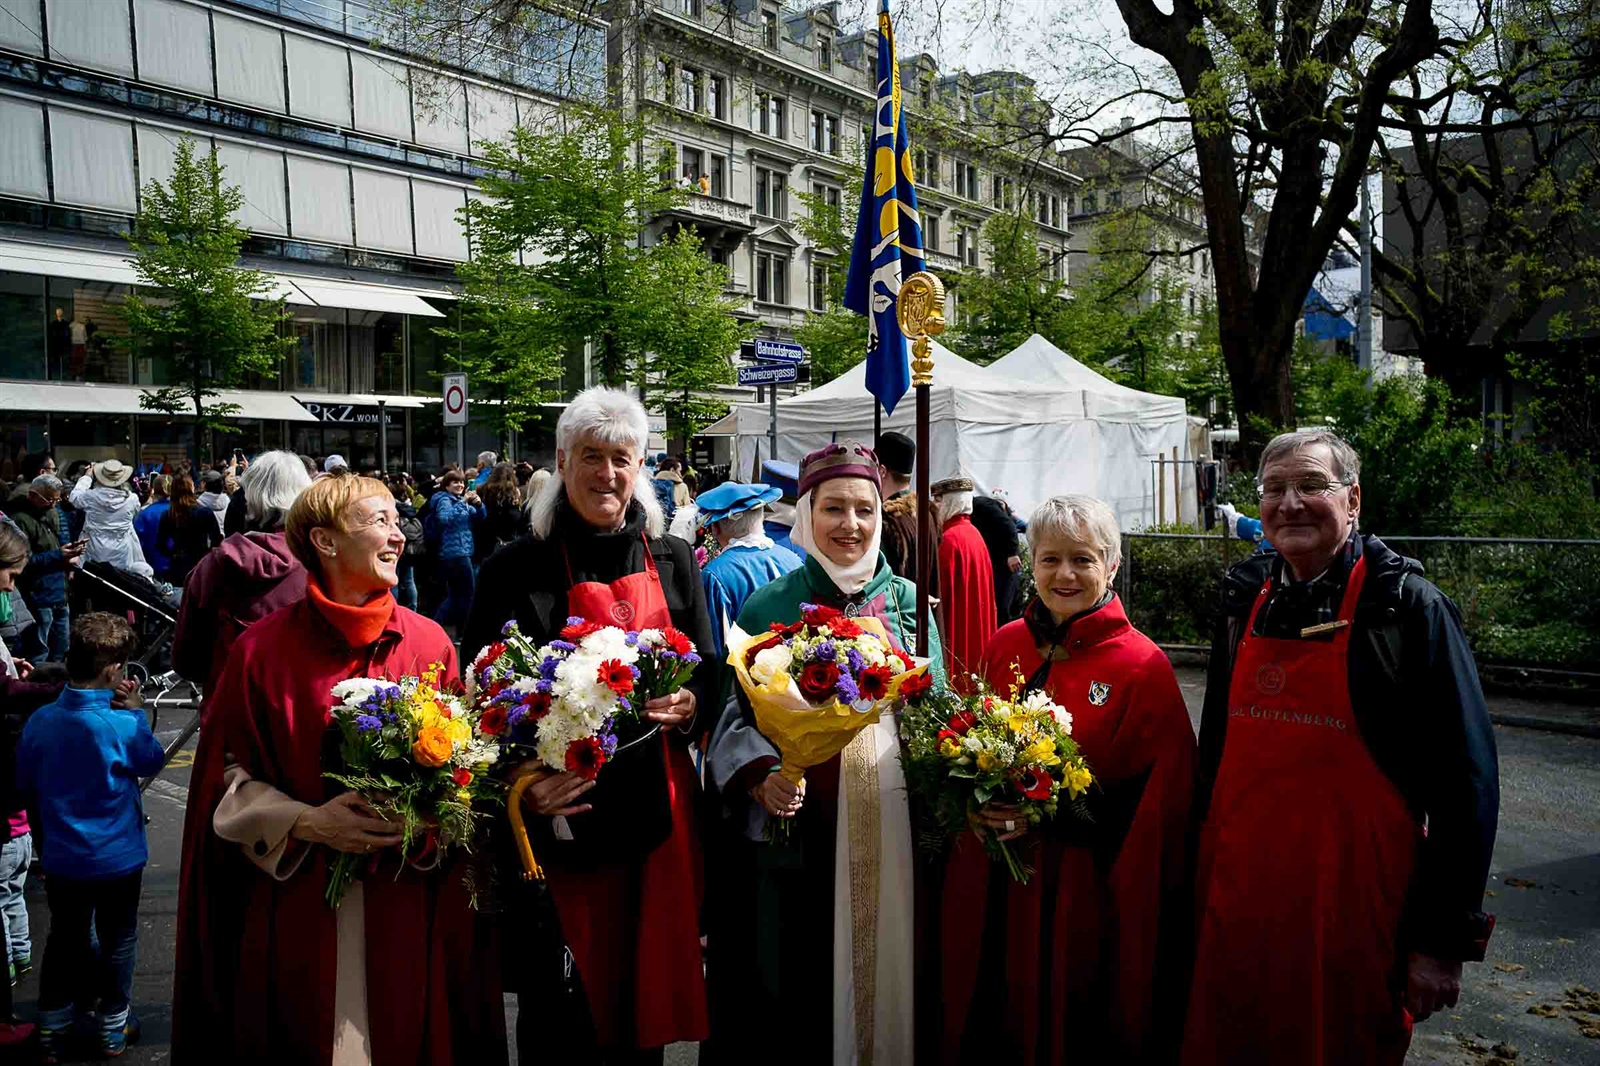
966 599
1082 962
432 973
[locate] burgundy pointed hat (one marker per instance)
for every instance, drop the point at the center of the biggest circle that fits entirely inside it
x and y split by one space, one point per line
848 458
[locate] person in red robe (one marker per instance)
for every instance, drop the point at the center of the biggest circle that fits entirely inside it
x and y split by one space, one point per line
1084 962
967 616
1348 788
404 971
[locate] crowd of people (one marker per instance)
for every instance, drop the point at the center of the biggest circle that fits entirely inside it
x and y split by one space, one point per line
1300 885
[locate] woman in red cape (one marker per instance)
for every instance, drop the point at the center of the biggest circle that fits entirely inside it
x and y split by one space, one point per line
404 971
1083 959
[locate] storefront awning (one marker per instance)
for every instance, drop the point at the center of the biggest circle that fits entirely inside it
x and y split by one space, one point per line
83 399
354 296
87 264
361 399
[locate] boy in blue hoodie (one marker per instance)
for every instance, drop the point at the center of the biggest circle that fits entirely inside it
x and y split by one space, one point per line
83 759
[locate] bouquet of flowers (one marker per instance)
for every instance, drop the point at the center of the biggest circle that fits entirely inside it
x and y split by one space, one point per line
814 684
417 755
573 703
962 752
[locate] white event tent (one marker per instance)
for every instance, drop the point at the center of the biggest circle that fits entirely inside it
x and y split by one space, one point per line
1035 423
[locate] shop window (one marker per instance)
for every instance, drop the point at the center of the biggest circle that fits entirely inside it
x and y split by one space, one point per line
83 339
22 326
319 362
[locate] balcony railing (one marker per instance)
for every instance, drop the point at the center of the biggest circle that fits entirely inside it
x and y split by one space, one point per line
717 209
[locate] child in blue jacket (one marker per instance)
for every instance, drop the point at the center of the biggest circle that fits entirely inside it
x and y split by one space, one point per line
82 759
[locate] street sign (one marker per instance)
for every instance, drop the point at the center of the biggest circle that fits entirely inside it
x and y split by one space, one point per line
768 374
455 399
780 351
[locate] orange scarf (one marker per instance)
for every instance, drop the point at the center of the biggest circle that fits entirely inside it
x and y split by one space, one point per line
359 626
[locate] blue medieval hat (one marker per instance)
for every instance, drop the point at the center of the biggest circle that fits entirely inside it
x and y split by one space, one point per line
731 498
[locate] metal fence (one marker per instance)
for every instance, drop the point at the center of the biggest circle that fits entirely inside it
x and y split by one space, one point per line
1530 604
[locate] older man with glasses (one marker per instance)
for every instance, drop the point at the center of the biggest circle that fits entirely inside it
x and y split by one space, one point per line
1348 788
44 582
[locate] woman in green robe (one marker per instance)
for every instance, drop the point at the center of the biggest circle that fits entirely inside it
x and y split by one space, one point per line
809 946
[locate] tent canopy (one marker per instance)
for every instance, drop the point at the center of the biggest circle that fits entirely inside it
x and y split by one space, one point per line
1036 423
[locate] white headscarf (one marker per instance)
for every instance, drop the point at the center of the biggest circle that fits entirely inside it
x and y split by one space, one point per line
850 579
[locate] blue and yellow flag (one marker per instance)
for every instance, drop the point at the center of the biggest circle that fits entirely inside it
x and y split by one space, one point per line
888 245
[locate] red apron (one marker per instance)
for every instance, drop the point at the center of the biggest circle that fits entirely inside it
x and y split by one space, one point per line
655 974
1303 869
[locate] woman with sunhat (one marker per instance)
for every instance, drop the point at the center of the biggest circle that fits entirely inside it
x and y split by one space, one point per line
109 507
807 917
748 558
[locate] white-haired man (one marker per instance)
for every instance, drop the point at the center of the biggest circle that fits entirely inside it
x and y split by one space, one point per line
1347 785
966 582
486 461
618 851
748 558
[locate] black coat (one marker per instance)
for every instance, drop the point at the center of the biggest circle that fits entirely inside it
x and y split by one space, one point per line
1416 698
999 532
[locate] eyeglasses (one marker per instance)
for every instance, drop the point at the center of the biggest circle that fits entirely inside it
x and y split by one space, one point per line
1304 487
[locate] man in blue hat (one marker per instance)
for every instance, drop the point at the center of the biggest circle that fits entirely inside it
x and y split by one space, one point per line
779 523
748 558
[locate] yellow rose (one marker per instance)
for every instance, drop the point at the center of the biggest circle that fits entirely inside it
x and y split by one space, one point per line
459 730
987 761
949 748
1042 752
432 747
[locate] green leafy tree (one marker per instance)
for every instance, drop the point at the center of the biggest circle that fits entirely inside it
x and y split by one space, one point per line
1018 295
686 324
835 339
196 311
572 199
508 357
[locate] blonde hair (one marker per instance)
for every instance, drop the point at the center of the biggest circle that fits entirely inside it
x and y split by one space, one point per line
325 504
1078 516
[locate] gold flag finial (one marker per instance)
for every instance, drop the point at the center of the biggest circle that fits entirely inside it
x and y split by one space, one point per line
920 309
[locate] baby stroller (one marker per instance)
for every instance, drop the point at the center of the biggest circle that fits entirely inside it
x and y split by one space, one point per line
154 610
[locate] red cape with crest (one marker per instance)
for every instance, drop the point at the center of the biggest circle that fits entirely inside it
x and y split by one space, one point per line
267 965
1082 957
966 599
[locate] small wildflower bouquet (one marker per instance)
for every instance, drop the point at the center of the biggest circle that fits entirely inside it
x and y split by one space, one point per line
961 752
416 754
577 702
815 683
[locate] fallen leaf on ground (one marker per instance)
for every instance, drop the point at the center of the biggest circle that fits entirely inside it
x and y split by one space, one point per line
1489 892
1509 967
1564 940
1505 1051
1520 882
1545 1010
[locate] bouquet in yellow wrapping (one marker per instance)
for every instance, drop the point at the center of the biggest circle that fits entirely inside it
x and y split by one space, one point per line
814 684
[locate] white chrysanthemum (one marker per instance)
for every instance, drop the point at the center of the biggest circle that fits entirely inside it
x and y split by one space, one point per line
770 662
652 638
354 692
897 664
609 643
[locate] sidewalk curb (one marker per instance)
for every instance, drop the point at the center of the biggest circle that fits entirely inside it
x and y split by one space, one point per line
1547 725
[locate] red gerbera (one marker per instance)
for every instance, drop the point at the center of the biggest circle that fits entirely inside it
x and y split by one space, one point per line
820 615
461 776
493 722
874 682
786 629
817 681
495 688
760 646
915 687
575 633
961 722
493 652
538 704
585 756
617 676
1033 785
844 628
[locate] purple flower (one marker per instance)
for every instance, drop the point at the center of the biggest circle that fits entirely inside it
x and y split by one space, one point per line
806 608
623 703
547 669
855 660
666 655
825 652
635 670
515 715
631 638
563 645
367 722
574 620
509 628
543 685
847 689
691 657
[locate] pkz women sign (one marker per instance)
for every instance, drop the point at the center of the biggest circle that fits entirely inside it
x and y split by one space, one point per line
348 413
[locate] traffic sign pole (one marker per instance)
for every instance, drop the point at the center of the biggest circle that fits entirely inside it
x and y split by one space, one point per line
772 420
455 412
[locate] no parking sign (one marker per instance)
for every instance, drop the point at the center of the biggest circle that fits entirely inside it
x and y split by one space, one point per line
455 399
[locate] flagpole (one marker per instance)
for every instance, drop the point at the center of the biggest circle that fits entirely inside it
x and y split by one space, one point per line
920 309
877 423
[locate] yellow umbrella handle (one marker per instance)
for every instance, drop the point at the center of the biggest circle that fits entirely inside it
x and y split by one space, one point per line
531 870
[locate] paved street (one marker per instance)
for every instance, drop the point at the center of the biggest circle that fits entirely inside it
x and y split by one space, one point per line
1545 890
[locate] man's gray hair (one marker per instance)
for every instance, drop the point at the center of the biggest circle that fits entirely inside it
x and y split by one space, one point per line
487 458
607 416
1346 463
740 525
271 485
1080 517
45 483
952 504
